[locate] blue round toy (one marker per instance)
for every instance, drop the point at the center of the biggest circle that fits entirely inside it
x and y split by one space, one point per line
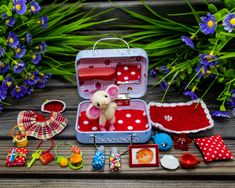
163 141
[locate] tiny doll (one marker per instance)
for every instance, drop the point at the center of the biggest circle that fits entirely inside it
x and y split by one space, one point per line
103 107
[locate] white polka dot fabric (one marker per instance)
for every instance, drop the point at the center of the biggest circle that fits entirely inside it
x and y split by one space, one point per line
213 148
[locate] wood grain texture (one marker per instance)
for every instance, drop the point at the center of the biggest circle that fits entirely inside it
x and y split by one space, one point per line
219 169
114 183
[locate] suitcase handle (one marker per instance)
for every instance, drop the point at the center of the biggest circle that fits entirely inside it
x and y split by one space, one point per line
103 39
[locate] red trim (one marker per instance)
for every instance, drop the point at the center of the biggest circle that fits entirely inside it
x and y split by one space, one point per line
144 146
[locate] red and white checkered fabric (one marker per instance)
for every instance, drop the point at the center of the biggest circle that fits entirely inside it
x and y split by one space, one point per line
41 128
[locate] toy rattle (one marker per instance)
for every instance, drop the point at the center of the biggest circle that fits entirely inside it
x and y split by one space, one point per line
74 161
103 107
20 138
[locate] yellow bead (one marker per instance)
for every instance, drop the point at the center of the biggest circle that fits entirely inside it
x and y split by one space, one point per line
64 162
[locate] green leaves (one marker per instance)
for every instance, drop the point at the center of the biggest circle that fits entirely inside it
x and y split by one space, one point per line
230 4
212 8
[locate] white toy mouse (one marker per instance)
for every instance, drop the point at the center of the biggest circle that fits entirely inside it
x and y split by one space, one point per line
103 107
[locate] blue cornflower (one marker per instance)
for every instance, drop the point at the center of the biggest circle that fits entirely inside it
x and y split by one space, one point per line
13 40
4 16
188 41
219 113
34 7
36 58
229 22
3 93
43 22
43 80
3 67
208 24
42 46
18 92
164 85
1 107
201 71
233 111
10 21
19 67
32 78
208 60
8 82
153 73
164 69
19 6
2 51
28 38
20 52
30 90
191 94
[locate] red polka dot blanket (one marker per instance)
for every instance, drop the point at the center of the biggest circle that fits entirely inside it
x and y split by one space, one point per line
16 157
128 74
180 117
213 148
126 120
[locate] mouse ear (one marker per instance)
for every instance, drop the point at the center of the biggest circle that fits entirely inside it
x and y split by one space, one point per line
93 112
113 91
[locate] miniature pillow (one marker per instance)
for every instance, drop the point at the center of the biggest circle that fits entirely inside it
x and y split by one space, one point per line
213 148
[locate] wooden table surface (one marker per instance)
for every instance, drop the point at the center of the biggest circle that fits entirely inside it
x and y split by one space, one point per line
214 174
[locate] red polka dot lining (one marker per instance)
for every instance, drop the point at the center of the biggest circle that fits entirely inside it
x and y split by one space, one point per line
180 117
126 120
20 159
128 73
213 148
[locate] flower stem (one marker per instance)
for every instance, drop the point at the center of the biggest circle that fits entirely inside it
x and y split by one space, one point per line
169 85
193 78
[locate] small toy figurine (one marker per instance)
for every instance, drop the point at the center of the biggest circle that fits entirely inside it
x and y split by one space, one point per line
163 141
103 107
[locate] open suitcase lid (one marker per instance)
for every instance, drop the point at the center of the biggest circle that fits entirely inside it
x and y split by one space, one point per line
97 69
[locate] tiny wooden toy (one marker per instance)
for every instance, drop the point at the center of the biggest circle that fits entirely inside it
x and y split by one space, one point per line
20 138
188 160
163 141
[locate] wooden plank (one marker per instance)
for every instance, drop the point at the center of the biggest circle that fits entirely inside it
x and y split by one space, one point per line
213 170
114 183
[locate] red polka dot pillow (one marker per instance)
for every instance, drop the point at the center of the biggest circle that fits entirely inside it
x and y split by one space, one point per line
213 148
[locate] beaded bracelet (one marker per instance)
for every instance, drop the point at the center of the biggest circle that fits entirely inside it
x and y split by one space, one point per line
74 161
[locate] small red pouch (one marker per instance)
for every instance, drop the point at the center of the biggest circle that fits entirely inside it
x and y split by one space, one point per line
46 158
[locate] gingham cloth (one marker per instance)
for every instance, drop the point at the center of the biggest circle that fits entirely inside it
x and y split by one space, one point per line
41 130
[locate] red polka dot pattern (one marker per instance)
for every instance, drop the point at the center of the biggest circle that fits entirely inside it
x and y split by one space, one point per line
213 148
20 158
128 73
126 120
